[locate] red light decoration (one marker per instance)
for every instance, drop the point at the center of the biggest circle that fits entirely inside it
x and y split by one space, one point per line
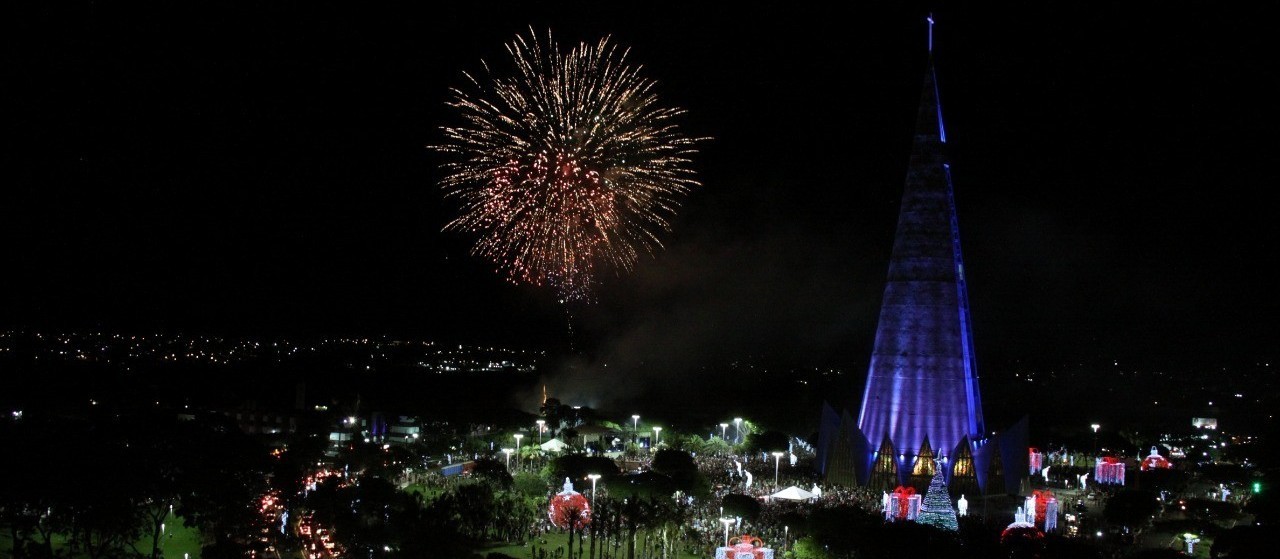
569 509
1109 470
904 499
1042 500
1021 535
745 546
1154 460
1035 460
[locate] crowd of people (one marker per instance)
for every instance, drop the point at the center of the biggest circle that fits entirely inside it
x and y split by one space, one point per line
753 476
747 475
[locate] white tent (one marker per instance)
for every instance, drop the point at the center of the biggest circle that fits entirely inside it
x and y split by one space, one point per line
553 445
794 493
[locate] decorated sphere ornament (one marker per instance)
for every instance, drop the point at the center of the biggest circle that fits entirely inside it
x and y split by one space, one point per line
569 509
1155 461
1022 539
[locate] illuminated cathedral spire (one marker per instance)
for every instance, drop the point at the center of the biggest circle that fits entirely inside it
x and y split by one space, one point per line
922 382
930 20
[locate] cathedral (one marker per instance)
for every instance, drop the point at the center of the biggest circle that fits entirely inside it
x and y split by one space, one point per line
921 406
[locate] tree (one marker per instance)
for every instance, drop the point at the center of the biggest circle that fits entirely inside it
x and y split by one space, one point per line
577 466
1157 479
668 461
716 447
492 471
107 519
34 500
745 507
146 466
852 531
469 508
808 548
1242 541
221 496
371 518
1265 508
671 515
570 514
292 467
643 485
768 441
530 485
1210 509
936 510
683 471
1131 508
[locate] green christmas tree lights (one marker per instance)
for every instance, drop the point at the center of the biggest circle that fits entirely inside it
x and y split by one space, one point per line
936 509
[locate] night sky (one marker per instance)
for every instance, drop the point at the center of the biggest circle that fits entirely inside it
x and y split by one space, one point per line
261 168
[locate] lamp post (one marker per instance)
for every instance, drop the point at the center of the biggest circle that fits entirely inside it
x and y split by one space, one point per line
593 478
540 423
635 427
723 426
657 434
507 451
786 536
518 437
726 522
1095 437
737 429
777 457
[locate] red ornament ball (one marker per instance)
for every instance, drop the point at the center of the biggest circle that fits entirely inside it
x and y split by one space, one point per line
569 509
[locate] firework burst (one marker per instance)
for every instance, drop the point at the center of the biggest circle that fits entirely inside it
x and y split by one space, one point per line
566 167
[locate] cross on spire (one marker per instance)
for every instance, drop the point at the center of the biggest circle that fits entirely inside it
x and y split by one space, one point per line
929 19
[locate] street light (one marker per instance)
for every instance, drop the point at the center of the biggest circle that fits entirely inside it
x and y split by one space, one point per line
786 536
777 456
726 522
723 426
657 434
635 427
507 451
1095 437
593 478
518 437
540 423
737 429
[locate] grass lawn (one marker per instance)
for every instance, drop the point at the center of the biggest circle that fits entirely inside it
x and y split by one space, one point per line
561 539
428 493
178 542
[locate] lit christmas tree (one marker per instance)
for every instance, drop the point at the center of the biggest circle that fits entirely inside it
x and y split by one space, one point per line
936 510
